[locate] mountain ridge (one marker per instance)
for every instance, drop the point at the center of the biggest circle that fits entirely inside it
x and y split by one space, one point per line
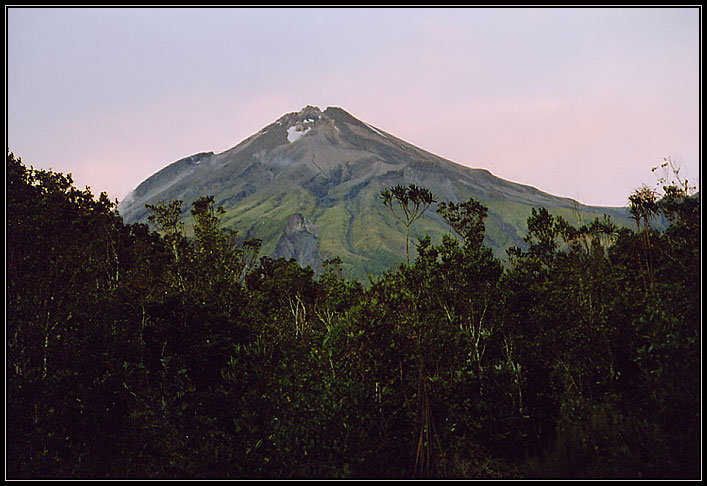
329 167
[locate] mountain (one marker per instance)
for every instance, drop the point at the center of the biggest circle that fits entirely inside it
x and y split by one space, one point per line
309 186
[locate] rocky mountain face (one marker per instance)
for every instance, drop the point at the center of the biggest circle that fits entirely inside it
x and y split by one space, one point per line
309 186
299 241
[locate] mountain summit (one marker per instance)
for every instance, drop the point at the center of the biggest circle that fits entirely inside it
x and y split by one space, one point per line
328 168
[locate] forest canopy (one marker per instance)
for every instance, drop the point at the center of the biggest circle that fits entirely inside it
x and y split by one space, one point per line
133 351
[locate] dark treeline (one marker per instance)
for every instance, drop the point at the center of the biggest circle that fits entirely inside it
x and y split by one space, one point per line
134 353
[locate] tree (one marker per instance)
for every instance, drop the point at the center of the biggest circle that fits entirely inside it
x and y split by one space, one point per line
166 219
543 230
644 206
467 219
412 201
68 261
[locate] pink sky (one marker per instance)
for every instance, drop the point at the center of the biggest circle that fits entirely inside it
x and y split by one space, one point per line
576 102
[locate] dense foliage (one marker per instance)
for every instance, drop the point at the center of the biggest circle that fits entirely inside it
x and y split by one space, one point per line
134 353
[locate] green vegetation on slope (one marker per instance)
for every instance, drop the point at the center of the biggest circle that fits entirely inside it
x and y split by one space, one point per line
264 214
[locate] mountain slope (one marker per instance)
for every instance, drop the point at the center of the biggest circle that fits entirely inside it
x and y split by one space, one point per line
329 168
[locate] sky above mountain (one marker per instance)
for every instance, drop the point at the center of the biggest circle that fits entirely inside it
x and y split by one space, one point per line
576 102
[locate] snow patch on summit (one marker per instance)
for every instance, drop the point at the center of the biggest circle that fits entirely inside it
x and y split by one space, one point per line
294 133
